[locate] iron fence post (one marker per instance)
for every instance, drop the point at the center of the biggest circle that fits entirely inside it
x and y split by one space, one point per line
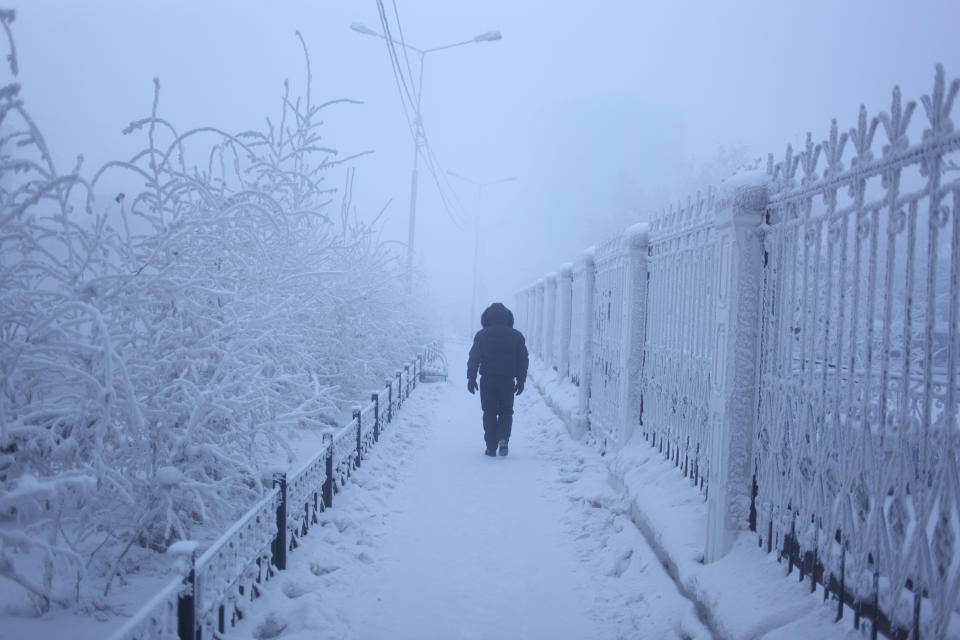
389 386
187 604
305 529
696 467
790 546
842 588
375 398
813 568
356 416
917 595
328 482
280 542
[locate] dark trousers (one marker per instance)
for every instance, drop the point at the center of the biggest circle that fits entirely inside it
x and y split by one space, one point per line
496 400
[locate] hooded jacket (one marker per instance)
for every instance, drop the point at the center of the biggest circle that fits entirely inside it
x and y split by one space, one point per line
498 348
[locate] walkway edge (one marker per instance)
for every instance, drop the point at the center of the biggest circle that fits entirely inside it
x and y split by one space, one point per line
745 595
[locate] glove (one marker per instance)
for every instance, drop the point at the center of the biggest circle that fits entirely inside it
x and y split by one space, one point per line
519 387
472 385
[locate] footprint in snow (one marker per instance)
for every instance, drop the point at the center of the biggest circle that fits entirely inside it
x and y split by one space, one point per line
318 569
620 565
271 627
293 589
341 525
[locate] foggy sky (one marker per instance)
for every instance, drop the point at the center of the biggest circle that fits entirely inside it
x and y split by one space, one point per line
603 109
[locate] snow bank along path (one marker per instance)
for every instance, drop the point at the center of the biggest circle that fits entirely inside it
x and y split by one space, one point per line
432 539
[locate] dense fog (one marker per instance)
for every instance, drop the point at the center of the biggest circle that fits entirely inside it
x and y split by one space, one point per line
205 211
604 112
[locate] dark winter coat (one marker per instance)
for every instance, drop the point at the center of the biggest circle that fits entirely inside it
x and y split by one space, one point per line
498 348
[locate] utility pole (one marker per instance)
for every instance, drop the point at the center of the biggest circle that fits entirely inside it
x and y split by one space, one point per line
476 238
417 125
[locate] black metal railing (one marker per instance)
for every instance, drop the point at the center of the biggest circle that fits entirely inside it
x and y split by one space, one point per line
220 584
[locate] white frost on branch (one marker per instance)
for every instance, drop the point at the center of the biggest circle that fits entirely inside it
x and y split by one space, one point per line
157 351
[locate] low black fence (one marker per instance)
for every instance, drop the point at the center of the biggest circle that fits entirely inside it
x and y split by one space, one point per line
221 582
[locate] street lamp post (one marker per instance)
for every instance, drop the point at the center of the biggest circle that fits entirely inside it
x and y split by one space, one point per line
476 236
488 36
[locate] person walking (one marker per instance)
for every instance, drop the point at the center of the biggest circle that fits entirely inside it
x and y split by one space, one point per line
499 354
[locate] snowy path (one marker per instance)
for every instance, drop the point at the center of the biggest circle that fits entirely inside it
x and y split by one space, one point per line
432 539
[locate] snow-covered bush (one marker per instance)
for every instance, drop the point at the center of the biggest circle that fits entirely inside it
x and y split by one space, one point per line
157 349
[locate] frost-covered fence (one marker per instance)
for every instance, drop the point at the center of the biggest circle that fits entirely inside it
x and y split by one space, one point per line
581 322
221 582
799 334
529 307
538 318
520 314
616 334
678 344
525 313
549 319
562 317
857 441
605 341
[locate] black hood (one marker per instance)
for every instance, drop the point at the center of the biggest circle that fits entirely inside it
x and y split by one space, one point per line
496 314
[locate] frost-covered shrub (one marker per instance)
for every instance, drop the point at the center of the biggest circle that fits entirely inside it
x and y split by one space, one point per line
156 349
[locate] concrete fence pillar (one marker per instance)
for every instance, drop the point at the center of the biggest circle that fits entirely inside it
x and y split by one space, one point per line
632 328
519 314
733 397
530 303
586 333
530 296
538 320
564 311
523 312
549 318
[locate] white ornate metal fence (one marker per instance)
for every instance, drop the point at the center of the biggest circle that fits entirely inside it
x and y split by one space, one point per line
549 323
581 302
605 340
678 346
562 318
228 575
581 322
799 349
616 335
856 447
538 319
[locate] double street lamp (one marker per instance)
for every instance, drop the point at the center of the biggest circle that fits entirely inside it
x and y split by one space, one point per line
476 235
418 136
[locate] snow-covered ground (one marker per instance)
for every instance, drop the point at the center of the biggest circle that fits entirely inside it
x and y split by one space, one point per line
432 539
744 595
